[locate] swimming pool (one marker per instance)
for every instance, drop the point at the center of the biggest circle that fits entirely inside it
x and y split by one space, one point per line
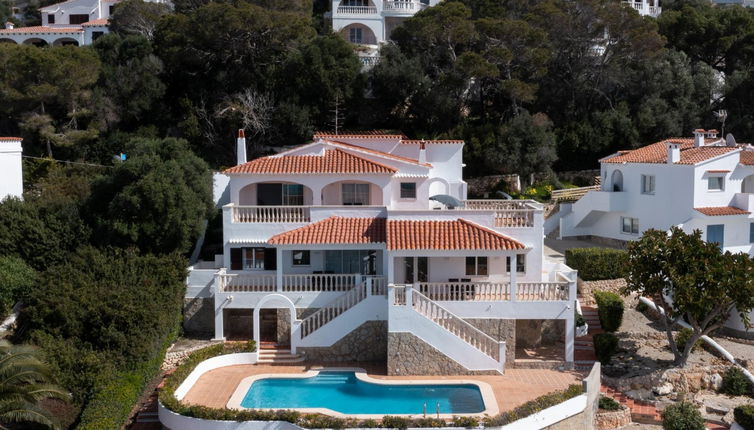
345 393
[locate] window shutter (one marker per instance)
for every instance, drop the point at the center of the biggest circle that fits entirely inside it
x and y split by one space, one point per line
270 259
236 258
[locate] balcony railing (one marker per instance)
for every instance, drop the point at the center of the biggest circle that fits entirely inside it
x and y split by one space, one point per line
271 214
356 10
403 6
298 283
492 291
514 218
369 61
572 194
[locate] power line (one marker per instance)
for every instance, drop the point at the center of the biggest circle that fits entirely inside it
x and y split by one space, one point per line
67 162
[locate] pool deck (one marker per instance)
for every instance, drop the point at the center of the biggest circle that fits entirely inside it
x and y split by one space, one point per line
215 388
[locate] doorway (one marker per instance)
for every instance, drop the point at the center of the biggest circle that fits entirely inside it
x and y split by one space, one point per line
268 325
415 269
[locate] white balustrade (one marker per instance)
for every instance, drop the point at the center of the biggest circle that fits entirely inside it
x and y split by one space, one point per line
243 283
270 214
476 204
403 6
456 325
357 10
378 284
465 291
320 282
541 291
333 309
514 218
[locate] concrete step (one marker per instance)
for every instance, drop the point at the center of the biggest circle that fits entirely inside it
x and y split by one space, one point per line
280 360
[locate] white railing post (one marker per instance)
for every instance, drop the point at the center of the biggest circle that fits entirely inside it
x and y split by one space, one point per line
409 296
279 270
391 294
514 274
368 285
501 351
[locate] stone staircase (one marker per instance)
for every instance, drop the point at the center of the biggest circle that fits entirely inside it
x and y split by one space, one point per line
276 355
584 356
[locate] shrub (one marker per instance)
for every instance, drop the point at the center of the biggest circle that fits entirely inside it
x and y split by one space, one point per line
744 416
400 423
610 310
608 404
595 264
735 383
605 346
16 281
533 406
580 321
642 307
468 422
683 336
682 416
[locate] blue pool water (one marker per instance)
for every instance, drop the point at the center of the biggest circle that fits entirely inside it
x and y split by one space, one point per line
343 392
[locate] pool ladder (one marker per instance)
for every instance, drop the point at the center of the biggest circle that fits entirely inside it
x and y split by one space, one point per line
437 409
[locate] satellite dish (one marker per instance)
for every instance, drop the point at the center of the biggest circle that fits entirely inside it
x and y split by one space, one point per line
730 140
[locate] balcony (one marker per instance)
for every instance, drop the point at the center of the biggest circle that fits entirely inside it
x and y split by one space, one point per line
356 10
507 213
494 291
744 201
297 283
402 8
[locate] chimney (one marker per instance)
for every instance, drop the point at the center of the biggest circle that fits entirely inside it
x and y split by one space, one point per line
422 152
699 137
674 152
9 25
712 134
241 148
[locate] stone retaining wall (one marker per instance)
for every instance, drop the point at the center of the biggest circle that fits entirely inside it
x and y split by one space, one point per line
199 316
664 382
499 329
368 342
409 355
587 288
608 420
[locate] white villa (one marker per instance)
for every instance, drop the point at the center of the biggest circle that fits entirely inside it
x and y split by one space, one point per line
11 175
645 7
704 183
335 251
369 23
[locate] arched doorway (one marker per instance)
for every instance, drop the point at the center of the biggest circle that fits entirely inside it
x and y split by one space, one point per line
747 186
35 41
617 180
6 40
276 302
65 41
359 34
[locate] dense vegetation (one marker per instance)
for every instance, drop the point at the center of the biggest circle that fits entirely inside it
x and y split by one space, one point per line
530 85
595 264
610 310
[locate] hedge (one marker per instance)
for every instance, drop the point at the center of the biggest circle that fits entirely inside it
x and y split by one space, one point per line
744 416
317 421
605 346
609 309
595 264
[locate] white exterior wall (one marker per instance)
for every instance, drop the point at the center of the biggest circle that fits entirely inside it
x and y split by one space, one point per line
11 173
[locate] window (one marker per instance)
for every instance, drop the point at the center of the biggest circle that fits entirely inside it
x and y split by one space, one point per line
355 35
97 34
751 232
520 263
293 195
301 258
715 183
51 19
629 225
716 234
476 266
253 258
362 261
408 190
355 194
78 18
110 11
647 184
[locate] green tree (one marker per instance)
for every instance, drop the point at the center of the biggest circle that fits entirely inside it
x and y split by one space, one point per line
25 380
137 17
156 200
693 281
16 281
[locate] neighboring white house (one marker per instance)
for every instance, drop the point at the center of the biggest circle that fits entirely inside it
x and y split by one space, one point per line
645 7
705 183
369 23
72 22
11 177
336 249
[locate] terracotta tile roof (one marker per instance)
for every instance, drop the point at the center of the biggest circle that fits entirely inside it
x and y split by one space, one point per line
454 234
41 29
432 142
658 152
368 134
335 230
717 171
747 158
721 211
333 161
375 152
95 23
10 139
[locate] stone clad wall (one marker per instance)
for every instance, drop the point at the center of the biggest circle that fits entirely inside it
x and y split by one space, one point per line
587 288
284 322
409 355
499 329
199 316
368 342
